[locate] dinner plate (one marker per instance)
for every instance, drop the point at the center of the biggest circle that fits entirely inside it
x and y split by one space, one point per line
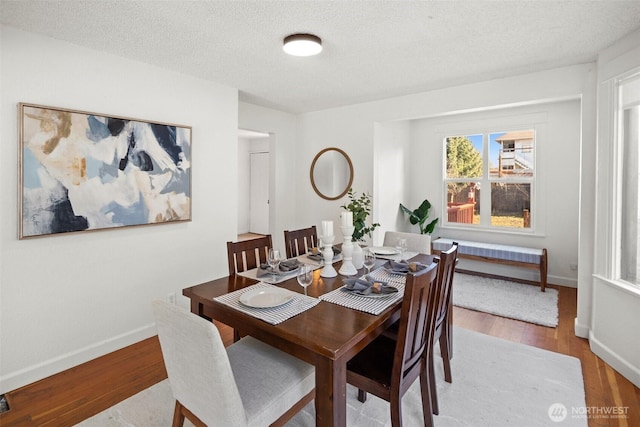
383 250
265 297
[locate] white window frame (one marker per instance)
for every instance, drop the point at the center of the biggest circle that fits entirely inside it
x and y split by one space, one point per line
618 165
531 121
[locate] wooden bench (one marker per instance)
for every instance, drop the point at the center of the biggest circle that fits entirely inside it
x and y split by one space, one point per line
501 254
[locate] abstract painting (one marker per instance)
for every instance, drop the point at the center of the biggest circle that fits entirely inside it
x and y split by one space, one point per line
83 171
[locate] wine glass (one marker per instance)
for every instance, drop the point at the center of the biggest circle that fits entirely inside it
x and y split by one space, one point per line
305 276
273 260
401 246
369 259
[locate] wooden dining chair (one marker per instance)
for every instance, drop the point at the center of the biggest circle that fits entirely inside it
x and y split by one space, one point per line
387 367
297 242
241 385
443 329
443 325
248 254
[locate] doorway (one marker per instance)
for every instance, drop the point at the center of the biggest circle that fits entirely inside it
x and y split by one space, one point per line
253 182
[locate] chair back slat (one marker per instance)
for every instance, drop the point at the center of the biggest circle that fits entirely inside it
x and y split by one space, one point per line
248 254
297 242
446 270
417 310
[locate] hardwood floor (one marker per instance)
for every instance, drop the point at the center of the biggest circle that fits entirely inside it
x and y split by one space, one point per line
71 396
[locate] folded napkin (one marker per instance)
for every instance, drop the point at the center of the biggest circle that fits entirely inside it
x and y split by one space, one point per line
318 256
367 286
403 267
285 267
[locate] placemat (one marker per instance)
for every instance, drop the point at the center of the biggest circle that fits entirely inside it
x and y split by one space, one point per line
368 304
281 276
275 315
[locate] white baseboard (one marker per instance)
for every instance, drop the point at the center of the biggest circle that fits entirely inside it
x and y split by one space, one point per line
66 361
627 370
581 330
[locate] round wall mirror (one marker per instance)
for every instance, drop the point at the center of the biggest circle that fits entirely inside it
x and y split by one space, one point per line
331 173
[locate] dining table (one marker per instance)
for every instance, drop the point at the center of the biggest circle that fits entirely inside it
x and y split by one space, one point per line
327 335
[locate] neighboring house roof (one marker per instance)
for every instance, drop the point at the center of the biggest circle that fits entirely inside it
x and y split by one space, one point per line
516 136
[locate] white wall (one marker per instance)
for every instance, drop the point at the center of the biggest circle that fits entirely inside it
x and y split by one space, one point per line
392 176
555 197
609 313
357 129
66 299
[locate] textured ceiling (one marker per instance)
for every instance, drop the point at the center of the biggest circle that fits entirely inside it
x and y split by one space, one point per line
372 49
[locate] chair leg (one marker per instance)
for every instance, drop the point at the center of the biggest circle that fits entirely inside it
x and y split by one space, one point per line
178 416
396 410
362 395
448 330
425 391
432 384
446 357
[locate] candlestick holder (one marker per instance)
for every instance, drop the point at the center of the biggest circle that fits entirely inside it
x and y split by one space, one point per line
327 256
347 269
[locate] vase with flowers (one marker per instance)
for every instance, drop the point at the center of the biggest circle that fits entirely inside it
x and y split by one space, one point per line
360 207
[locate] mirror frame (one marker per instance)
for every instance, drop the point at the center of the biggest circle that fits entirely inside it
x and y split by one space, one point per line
313 182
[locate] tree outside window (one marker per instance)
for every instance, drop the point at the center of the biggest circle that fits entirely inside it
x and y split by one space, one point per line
507 177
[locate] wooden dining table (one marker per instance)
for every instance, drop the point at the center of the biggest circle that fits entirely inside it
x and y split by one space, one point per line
327 336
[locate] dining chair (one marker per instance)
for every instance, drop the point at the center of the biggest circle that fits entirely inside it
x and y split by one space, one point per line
420 243
443 323
387 367
248 254
248 384
297 242
443 330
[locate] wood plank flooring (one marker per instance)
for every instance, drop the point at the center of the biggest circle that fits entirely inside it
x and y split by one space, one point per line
71 396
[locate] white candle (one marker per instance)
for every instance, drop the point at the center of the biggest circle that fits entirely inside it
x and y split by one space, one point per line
327 228
346 219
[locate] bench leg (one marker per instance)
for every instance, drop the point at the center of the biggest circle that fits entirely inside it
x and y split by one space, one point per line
543 270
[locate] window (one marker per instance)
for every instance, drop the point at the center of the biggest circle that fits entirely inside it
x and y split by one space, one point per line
630 203
501 164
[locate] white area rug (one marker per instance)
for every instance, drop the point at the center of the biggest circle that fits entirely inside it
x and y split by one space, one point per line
496 383
506 299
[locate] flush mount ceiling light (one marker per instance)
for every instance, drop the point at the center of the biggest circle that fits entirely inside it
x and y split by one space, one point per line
302 45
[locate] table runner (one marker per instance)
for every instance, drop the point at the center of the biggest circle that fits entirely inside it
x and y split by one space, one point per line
367 304
275 315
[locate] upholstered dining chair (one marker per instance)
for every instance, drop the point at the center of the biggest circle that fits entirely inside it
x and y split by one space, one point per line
420 243
248 384
248 254
297 242
387 367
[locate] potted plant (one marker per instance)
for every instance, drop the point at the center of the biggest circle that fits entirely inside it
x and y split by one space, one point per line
360 207
419 216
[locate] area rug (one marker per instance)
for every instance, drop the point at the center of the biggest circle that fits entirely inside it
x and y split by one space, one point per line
496 383
506 299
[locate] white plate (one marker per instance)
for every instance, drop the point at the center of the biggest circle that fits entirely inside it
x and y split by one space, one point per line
383 250
265 297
